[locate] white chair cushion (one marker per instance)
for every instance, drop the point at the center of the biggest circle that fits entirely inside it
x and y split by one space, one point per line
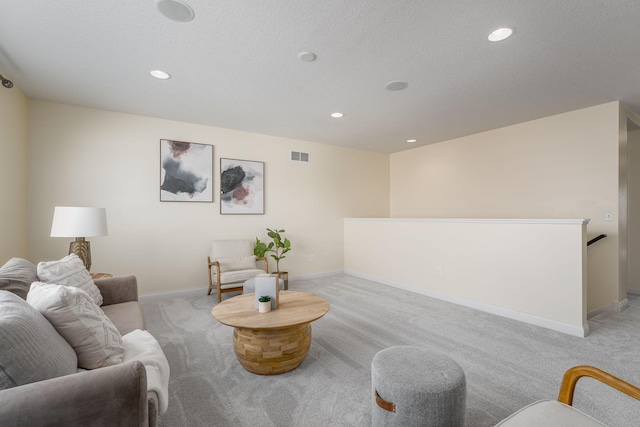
236 263
549 413
237 276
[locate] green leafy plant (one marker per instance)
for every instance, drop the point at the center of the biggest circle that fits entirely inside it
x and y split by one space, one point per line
260 249
279 246
264 298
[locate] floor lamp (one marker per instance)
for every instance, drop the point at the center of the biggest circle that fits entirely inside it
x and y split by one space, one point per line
79 222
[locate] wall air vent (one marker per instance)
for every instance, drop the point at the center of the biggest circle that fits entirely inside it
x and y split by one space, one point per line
298 156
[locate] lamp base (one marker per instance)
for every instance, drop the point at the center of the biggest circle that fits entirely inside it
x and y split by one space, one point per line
82 248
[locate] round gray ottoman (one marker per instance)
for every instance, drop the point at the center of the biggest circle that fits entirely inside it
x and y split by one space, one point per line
249 286
413 386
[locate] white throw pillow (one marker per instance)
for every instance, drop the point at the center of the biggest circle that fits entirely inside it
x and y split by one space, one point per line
81 322
69 271
237 263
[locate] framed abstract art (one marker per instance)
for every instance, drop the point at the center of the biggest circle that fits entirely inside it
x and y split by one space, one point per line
186 171
241 187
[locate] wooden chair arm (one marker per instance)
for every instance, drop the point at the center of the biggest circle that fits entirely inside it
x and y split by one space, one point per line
211 264
572 376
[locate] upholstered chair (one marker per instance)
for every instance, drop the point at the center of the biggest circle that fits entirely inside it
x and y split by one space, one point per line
231 263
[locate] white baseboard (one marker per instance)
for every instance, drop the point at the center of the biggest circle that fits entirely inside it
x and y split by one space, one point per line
605 309
315 275
500 311
622 305
633 291
614 307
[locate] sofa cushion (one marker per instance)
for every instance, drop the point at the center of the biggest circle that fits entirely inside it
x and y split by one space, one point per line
81 322
126 316
69 271
16 275
32 350
237 263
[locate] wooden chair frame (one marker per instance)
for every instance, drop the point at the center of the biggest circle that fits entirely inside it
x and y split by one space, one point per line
572 376
219 285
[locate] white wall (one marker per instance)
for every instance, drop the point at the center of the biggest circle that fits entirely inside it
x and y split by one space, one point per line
557 167
563 166
13 173
87 157
534 271
633 219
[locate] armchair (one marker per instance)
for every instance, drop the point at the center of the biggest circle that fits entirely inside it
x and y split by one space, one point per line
230 264
560 412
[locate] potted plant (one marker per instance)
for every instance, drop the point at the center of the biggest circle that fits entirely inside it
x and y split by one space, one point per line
264 304
279 246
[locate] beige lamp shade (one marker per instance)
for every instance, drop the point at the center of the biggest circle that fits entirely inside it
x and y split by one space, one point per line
79 222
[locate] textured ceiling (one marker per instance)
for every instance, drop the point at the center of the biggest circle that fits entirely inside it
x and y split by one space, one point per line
236 64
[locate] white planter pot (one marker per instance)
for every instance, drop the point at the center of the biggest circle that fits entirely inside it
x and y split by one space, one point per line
264 307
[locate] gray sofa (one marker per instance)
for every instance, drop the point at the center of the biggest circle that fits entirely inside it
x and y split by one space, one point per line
110 396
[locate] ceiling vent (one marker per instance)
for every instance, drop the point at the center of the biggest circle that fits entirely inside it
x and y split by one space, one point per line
298 156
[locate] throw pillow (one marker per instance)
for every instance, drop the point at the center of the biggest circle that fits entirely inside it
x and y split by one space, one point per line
237 263
81 322
69 271
31 350
17 275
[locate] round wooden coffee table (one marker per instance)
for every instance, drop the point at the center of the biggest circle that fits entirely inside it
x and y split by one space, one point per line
274 342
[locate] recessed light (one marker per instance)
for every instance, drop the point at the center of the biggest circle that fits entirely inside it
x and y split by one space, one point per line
337 115
159 74
500 34
307 56
412 140
175 10
396 85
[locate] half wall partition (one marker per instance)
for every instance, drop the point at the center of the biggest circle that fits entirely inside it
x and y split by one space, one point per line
529 270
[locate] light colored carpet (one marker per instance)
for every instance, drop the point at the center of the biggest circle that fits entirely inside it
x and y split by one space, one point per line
507 364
